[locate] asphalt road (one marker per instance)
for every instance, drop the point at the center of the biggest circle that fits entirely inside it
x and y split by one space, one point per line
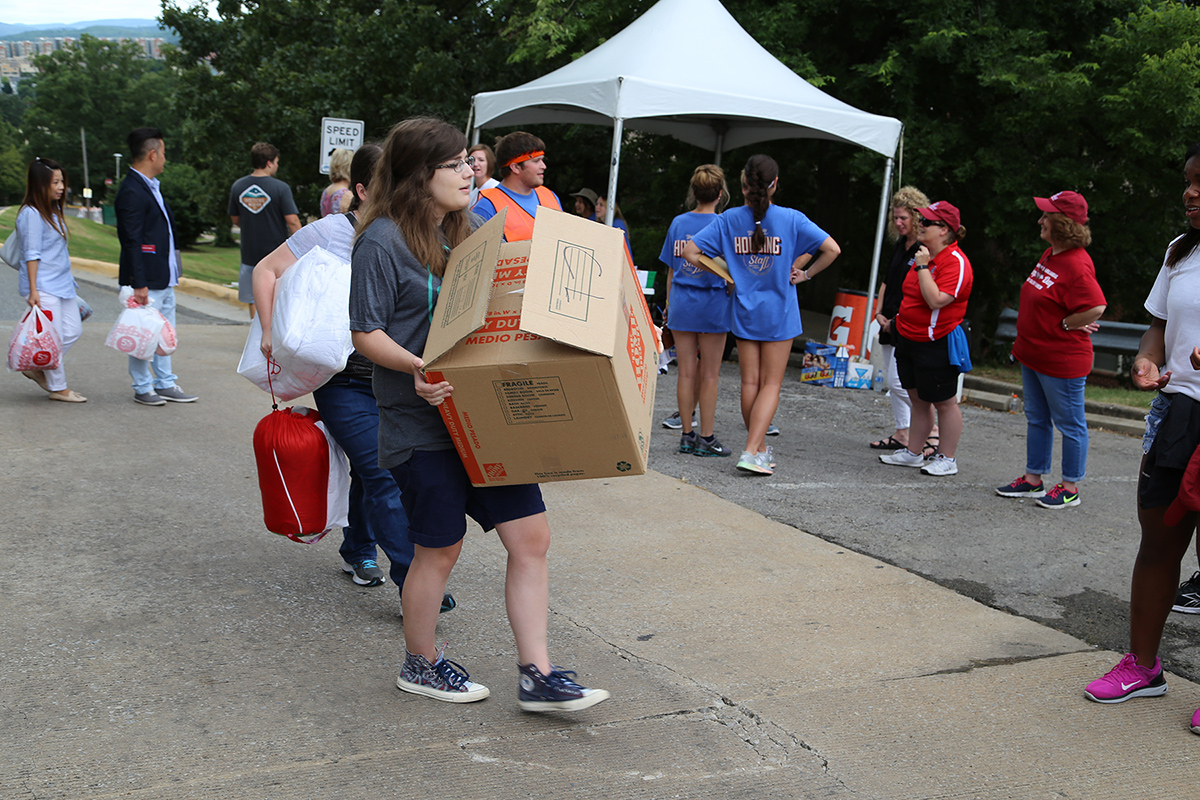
1068 568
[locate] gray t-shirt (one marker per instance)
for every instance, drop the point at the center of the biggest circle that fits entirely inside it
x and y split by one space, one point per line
391 291
260 203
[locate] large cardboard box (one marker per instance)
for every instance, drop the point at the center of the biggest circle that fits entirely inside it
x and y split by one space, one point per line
550 349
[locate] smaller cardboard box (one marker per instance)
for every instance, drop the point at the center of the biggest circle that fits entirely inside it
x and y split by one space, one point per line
817 367
550 349
859 375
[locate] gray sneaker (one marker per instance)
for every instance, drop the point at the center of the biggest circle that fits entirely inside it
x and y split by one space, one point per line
149 399
772 430
710 449
175 395
675 423
365 573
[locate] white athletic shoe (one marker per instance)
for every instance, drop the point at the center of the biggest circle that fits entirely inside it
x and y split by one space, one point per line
904 458
940 466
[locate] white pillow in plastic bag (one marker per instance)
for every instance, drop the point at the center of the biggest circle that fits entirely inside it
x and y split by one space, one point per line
310 328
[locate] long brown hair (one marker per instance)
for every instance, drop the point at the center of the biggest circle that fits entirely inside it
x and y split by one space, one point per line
38 178
400 189
760 174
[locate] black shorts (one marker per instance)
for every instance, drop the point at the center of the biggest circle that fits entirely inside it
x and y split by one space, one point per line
1176 440
925 368
438 497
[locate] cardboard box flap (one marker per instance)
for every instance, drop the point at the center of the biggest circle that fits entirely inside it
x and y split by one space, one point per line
716 266
573 287
466 289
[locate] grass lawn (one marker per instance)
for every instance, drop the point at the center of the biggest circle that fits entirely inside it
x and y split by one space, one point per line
92 240
1099 389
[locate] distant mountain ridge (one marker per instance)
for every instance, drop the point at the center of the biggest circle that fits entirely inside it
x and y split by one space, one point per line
110 28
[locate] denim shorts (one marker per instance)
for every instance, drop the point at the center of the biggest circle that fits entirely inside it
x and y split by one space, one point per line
1158 411
438 497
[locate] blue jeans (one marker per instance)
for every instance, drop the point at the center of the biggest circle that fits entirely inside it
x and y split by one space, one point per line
155 373
1058 401
376 515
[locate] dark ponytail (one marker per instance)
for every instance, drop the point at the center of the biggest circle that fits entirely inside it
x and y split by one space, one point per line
1182 247
760 174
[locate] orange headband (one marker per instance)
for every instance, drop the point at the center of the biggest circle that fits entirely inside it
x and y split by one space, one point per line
524 157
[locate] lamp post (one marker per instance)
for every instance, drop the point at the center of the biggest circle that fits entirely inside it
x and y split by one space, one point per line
117 174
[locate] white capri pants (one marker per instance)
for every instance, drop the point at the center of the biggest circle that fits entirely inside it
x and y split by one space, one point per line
901 405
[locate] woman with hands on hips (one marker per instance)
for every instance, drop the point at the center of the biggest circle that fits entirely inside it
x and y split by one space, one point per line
766 248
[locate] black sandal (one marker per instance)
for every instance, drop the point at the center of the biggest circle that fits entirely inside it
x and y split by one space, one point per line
932 447
889 443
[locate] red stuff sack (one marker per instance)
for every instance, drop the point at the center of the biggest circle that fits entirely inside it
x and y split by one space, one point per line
303 475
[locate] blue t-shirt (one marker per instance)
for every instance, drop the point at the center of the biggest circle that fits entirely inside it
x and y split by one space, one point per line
682 229
765 308
487 209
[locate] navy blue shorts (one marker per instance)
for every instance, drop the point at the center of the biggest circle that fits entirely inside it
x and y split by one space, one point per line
438 497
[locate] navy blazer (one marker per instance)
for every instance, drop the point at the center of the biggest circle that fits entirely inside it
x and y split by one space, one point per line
144 234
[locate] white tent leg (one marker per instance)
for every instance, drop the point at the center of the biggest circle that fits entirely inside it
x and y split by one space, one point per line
472 132
720 149
618 132
884 197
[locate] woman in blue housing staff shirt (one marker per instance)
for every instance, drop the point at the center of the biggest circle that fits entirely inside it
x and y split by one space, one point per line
764 246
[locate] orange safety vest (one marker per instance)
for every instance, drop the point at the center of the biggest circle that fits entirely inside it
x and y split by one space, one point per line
518 226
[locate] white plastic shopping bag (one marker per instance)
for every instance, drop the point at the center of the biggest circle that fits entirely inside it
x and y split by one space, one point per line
310 328
35 344
138 328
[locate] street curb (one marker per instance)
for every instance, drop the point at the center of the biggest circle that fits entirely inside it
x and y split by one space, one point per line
1117 424
188 286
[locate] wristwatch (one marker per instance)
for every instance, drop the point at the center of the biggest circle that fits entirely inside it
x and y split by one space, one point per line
920 267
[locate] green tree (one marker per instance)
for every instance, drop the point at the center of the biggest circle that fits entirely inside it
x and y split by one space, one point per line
12 165
269 71
106 89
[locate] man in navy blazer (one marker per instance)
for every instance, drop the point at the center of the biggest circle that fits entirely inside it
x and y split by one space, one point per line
149 258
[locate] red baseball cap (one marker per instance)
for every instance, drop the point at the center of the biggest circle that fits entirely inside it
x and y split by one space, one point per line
943 212
1070 203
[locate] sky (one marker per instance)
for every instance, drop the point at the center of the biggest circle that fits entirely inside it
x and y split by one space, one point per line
67 11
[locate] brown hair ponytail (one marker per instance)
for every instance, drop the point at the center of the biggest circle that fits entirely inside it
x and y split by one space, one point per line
758 177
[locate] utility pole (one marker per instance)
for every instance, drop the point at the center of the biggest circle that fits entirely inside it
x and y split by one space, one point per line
117 174
87 187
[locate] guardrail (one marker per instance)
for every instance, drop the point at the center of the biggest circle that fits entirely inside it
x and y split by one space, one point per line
1115 344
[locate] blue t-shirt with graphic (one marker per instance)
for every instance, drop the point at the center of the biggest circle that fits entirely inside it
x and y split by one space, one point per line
682 229
765 308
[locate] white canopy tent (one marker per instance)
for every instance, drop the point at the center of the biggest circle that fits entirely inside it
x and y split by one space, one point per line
652 77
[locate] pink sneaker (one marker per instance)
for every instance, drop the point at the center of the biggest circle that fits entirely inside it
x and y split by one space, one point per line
1127 680
1196 722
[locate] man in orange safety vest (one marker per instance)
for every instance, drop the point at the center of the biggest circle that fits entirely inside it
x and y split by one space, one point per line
522 158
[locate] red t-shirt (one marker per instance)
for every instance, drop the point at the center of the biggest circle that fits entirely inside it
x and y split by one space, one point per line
1059 286
916 321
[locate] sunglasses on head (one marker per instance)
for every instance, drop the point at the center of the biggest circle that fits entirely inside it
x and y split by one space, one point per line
925 223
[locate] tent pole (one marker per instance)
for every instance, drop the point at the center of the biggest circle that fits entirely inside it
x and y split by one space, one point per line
618 131
720 148
473 133
883 212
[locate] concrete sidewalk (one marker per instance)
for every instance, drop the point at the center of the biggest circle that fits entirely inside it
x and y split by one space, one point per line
159 643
